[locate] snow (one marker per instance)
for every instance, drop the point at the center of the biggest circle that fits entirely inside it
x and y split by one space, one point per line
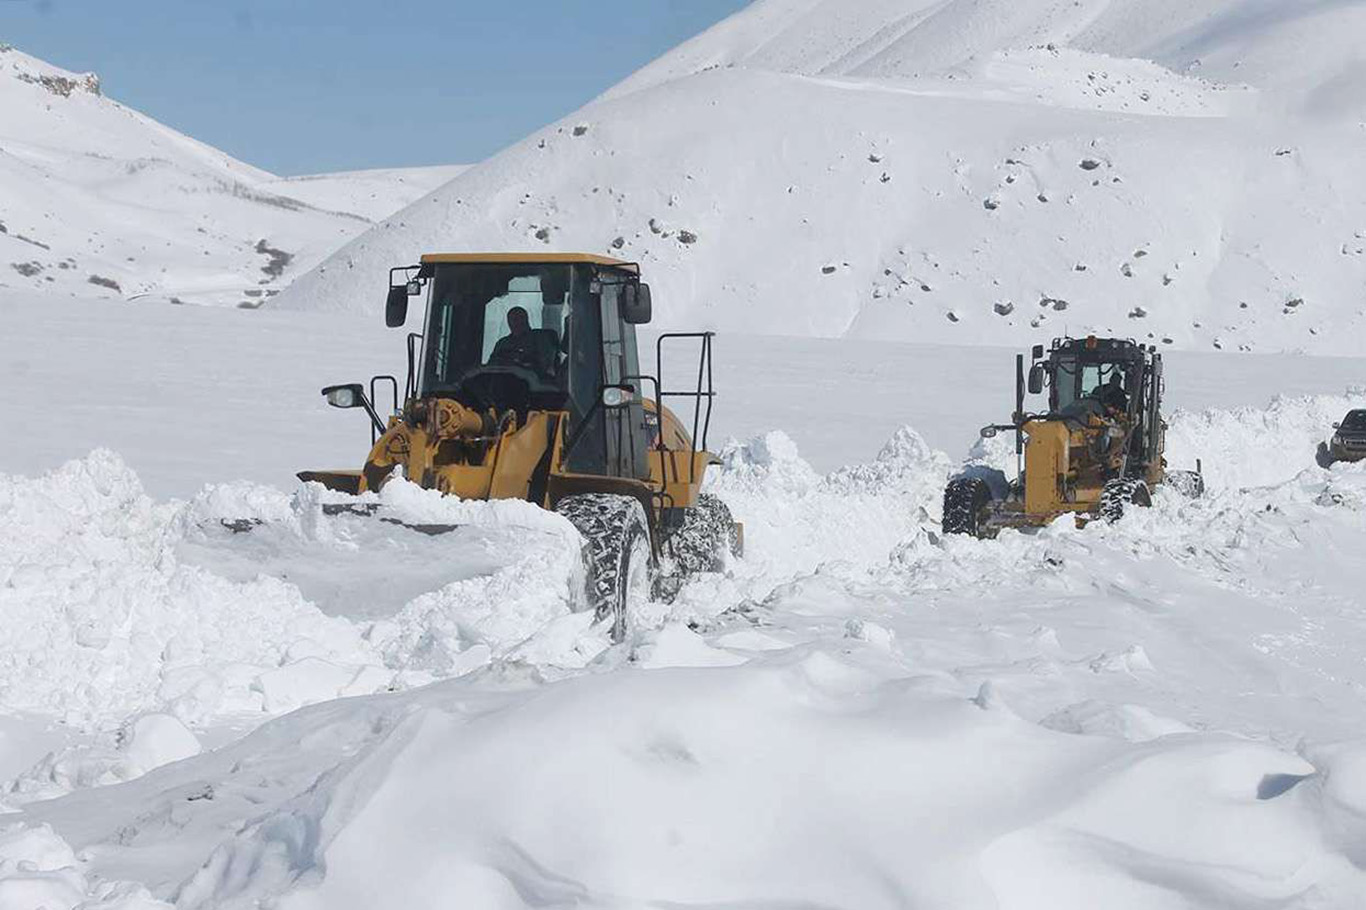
956 173
101 200
217 690
1165 712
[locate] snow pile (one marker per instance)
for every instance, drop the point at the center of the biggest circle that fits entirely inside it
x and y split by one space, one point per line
795 519
248 599
1157 712
102 201
827 774
39 871
974 173
141 745
102 622
1248 446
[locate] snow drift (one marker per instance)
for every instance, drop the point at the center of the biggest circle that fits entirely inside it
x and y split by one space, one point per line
953 172
860 714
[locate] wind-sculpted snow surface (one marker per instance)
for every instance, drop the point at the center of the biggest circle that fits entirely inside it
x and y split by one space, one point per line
861 713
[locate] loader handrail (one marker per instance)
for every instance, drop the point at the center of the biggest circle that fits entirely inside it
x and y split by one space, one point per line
706 388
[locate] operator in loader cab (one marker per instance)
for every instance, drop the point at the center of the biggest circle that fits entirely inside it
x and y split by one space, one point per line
535 349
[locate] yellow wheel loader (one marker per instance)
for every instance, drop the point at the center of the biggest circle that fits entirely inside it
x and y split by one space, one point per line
525 383
1097 451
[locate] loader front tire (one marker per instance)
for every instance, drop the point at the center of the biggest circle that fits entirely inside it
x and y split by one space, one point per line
617 558
965 506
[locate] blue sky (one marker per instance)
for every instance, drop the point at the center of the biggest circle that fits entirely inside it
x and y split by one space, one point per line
304 86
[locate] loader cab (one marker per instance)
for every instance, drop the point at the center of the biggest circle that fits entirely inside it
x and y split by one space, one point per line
521 333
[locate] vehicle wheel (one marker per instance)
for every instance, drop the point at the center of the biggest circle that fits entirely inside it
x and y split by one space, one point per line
1117 495
1188 483
965 506
618 562
705 538
1324 456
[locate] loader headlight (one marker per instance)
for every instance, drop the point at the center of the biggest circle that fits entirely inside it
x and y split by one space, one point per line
350 395
616 397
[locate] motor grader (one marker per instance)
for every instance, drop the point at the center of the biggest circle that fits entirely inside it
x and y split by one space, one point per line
1097 451
525 383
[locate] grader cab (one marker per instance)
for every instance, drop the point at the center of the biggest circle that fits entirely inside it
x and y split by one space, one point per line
526 383
1097 450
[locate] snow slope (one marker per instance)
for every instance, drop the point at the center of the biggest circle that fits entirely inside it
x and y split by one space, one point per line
96 198
956 172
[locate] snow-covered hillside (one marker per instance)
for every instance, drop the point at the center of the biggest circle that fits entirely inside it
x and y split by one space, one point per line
97 199
958 172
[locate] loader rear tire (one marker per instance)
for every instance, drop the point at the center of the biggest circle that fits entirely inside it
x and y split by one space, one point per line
965 506
617 557
1118 495
704 540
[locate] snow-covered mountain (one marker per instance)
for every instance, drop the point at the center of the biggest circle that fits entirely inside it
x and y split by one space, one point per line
98 200
960 171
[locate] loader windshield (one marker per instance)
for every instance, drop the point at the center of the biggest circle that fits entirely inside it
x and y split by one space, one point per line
494 322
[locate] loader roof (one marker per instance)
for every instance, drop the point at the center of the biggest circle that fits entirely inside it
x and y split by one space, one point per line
556 258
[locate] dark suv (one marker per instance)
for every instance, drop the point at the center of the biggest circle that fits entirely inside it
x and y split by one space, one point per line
1349 439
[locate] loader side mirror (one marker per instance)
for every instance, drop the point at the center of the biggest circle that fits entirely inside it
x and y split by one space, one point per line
635 303
1036 373
396 307
351 395
1037 352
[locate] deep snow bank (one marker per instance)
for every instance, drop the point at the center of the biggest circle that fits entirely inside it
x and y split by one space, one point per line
862 713
39 871
827 775
116 604
1248 447
102 622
